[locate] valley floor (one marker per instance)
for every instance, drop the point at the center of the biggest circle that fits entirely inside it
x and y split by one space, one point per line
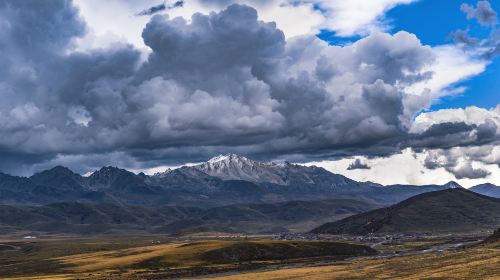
476 263
157 257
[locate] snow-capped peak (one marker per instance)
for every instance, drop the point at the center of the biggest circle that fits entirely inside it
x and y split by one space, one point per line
227 158
218 158
163 174
453 185
236 167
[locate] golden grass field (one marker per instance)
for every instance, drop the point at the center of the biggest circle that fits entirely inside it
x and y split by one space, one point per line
474 263
134 259
122 259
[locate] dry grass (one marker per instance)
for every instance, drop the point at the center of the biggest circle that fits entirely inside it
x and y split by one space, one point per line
158 261
172 255
474 263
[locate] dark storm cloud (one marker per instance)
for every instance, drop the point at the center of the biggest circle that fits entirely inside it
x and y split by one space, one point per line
455 134
160 8
357 164
483 12
223 82
39 26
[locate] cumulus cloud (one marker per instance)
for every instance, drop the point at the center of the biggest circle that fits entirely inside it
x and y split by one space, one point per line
460 137
454 162
467 171
453 65
463 133
471 115
414 167
356 17
346 18
218 82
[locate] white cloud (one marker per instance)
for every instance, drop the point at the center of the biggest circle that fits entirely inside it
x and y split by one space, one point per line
405 168
355 87
356 17
410 167
115 20
452 65
79 115
112 19
286 18
470 115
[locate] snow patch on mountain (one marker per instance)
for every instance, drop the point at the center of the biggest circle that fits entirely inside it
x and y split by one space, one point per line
453 185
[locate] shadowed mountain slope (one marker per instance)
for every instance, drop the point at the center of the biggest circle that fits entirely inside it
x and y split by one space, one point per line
89 218
487 189
442 211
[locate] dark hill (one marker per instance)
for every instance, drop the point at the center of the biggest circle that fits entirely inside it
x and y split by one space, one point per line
274 217
89 218
276 250
442 211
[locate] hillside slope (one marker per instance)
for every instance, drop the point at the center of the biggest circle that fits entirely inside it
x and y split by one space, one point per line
91 218
441 211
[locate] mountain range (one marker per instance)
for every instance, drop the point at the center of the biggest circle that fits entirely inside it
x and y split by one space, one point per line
228 193
223 180
487 189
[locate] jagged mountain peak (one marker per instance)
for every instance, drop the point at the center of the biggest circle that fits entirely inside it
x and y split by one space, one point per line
109 169
235 158
229 158
236 167
56 173
226 162
108 175
59 177
163 174
57 170
108 172
281 163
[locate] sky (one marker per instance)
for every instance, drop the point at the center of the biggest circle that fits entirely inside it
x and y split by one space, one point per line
389 91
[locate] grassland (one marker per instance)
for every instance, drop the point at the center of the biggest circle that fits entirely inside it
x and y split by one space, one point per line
157 259
479 262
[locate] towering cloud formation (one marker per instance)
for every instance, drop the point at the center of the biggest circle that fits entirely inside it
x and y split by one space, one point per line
223 81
